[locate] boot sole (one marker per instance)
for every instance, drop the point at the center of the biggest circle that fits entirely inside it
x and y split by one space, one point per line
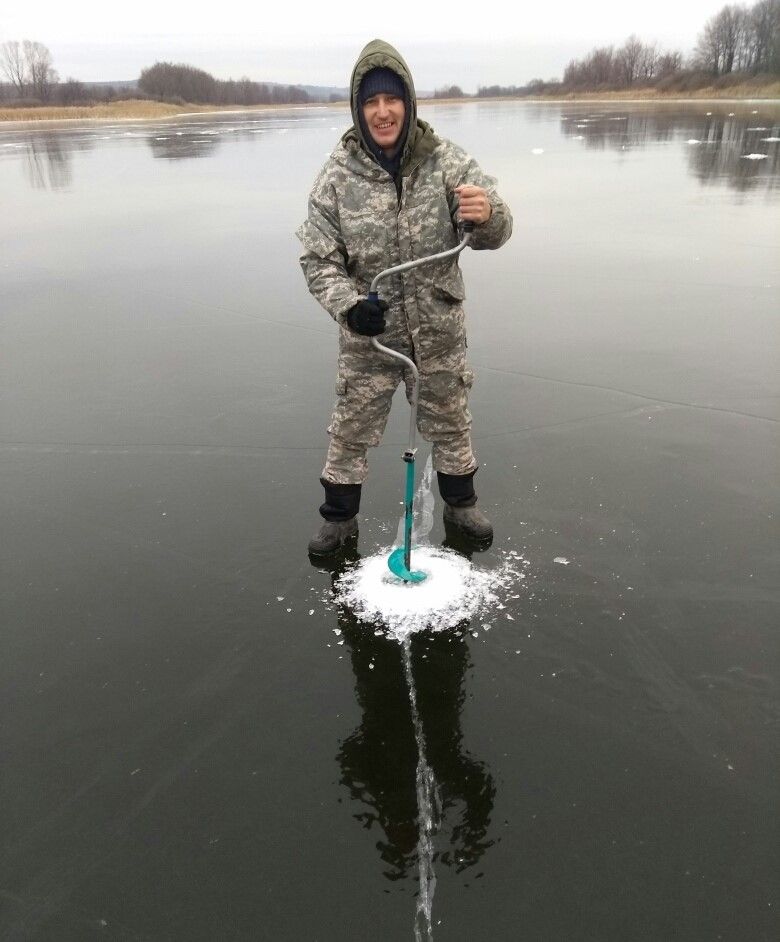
324 553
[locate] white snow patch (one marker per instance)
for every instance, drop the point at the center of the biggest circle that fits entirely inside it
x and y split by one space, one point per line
771 140
537 150
754 157
453 592
561 560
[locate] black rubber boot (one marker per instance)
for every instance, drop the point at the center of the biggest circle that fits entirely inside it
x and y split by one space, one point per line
342 502
332 535
457 490
460 510
470 521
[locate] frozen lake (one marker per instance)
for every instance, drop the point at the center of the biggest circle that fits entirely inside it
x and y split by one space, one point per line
197 742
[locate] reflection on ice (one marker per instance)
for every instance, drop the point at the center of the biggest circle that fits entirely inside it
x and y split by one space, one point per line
729 137
415 783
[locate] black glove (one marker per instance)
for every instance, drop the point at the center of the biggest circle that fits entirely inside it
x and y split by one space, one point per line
367 318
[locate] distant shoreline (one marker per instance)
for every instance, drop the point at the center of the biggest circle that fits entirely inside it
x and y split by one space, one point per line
138 109
132 109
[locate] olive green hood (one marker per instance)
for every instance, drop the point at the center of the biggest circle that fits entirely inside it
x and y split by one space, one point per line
420 139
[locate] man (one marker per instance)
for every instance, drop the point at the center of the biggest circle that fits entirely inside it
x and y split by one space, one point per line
390 192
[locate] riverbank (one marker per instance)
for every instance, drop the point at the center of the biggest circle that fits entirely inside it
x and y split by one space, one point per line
743 92
135 109
130 109
736 93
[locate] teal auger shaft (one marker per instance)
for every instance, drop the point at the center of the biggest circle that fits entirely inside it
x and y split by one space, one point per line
408 514
394 560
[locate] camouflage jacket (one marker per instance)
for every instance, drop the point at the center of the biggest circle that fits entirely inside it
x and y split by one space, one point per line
358 225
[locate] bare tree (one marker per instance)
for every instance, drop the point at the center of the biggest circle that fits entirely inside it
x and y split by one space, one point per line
602 65
648 63
763 36
719 47
732 24
596 69
708 54
13 64
668 63
39 69
628 61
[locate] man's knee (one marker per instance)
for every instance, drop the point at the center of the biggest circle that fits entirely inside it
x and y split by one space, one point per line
345 462
454 456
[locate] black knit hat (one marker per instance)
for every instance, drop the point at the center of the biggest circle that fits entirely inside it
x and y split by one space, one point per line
379 81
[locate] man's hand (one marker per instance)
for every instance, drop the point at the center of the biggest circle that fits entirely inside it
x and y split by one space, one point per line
367 318
474 204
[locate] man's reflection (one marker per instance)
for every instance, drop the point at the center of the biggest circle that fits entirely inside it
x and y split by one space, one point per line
379 760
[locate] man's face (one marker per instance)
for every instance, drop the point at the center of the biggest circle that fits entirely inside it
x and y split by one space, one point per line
384 117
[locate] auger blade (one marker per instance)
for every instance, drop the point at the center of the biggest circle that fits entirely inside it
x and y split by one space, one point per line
396 565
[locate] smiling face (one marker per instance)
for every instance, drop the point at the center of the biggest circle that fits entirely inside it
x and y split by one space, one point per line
384 117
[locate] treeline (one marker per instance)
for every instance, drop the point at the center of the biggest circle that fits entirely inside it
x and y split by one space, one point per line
32 80
632 64
736 44
180 84
449 91
741 39
535 87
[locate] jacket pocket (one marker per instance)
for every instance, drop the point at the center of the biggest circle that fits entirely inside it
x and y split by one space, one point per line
449 286
315 240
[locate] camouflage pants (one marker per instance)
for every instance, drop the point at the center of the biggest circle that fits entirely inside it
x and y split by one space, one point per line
365 388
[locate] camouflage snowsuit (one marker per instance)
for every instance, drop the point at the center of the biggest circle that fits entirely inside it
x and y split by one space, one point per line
357 226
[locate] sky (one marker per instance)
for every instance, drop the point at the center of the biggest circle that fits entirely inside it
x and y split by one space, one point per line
309 43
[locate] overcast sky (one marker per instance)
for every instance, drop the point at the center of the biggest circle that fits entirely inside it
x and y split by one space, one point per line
465 43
